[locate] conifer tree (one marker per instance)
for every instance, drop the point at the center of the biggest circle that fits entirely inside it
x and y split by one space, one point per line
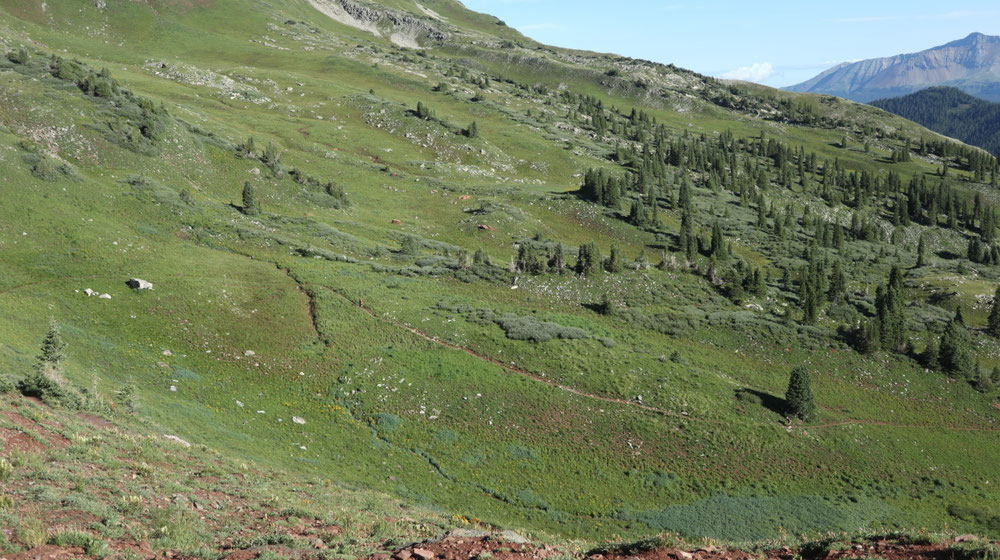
472 131
993 322
956 348
930 357
588 259
921 252
614 263
250 207
799 399
53 350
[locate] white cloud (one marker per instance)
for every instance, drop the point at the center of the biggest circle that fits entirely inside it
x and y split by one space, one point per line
754 73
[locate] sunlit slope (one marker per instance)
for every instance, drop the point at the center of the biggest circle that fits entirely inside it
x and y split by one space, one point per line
498 395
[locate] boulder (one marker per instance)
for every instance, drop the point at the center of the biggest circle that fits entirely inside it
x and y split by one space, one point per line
139 284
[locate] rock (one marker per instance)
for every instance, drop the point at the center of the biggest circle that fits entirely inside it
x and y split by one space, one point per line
423 553
404 555
176 439
255 171
90 292
139 284
298 420
249 353
105 296
966 538
467 533
513 537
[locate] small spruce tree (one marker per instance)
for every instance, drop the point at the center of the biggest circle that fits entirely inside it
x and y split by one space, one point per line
53 350
250 206
799 400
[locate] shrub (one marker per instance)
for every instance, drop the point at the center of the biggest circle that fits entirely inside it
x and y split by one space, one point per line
7 384
531 329
31 533
19 56
50 389
6 502
6 469
93 546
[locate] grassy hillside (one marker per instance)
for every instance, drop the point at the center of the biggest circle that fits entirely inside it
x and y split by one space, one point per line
402 293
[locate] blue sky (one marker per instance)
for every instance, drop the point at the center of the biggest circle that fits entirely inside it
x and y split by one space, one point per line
777 43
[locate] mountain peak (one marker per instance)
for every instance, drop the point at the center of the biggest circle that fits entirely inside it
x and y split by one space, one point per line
971 64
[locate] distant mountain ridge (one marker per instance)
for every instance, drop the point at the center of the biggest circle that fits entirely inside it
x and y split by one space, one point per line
971 64
951 112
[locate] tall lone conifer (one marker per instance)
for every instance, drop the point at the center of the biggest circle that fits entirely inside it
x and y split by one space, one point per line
799 397
250 207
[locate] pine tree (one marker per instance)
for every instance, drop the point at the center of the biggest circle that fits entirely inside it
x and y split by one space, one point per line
250 207
53 350
921 252
614 263
956 349
588 259
472 131
838 283
930 357
993 322
799 399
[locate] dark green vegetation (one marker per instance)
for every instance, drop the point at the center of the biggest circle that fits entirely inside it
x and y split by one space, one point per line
951 112
455 320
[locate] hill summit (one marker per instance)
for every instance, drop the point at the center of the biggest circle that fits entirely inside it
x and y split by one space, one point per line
971 64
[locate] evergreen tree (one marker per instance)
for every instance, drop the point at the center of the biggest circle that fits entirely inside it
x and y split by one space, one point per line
53 350
472 131
889 306
838 283
588 258
718 248
930 357
921 252
615 262
956 349
250 207
993 322
799 397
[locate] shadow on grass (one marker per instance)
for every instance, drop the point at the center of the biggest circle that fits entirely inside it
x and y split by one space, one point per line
767 400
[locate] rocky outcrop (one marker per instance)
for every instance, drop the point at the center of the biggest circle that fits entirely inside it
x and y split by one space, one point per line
971 64
403 29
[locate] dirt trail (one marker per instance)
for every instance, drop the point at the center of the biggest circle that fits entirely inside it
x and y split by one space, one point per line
519 371
512 368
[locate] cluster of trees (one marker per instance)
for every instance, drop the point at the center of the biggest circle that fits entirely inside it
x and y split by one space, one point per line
951 112
141 123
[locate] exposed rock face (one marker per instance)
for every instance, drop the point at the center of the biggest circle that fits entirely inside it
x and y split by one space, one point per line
971 64
402 29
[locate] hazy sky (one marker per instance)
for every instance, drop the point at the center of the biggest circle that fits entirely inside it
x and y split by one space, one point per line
778 43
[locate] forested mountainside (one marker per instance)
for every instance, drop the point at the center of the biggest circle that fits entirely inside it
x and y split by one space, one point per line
951 112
